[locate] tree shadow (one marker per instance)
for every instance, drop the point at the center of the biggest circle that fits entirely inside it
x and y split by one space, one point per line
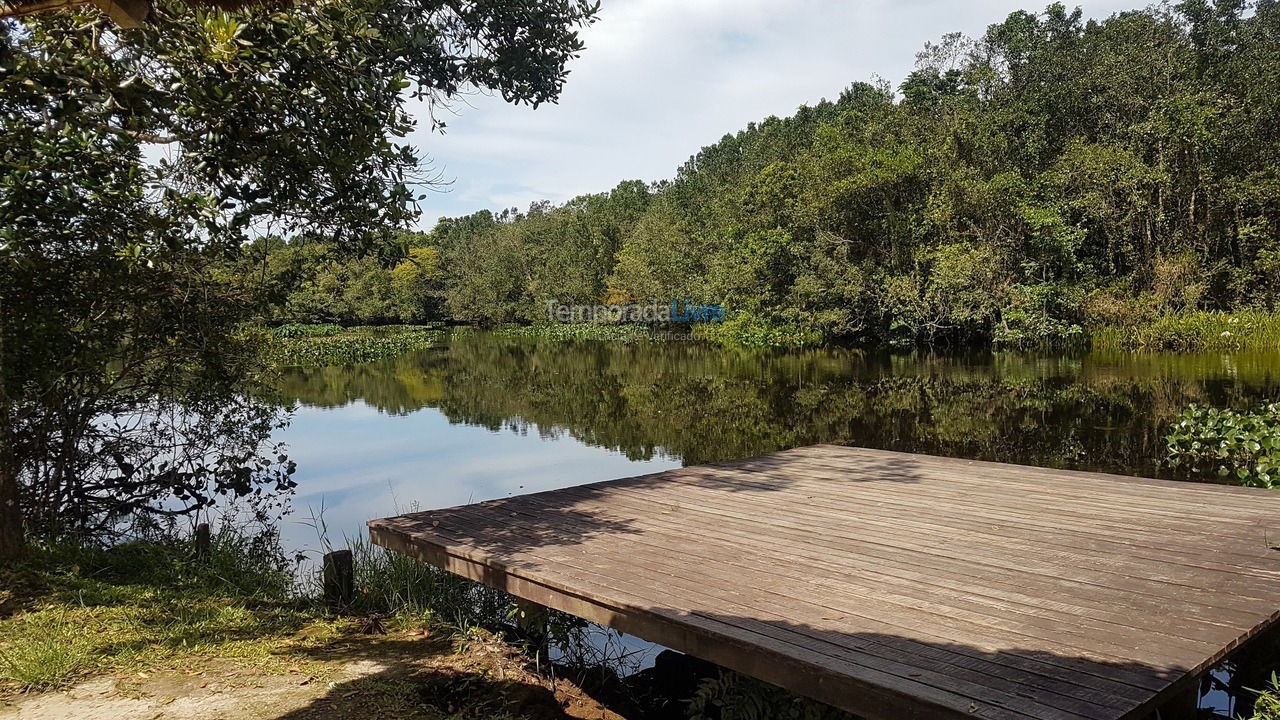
506 530
886 675
435 677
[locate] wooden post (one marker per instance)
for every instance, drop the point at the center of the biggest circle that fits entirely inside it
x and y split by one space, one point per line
204 541
339 579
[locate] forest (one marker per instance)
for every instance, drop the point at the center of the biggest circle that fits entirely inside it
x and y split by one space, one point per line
1054 176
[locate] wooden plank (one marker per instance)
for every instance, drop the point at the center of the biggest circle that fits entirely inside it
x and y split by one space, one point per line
895 585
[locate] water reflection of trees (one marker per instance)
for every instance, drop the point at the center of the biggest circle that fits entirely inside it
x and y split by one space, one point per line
702 403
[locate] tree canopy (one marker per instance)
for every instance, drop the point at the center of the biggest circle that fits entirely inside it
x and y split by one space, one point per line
134 164
1054 174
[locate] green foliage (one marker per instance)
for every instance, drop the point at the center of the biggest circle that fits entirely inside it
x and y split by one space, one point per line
1241 447
752 331
122 276
732 696
417 284
356 345
1024 188
1267 706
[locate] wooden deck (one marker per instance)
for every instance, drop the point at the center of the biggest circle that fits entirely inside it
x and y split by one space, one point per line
894 585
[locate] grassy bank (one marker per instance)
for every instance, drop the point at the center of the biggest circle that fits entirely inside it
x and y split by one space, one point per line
142 625
153 620
1245 330
320 345
148 604
67 611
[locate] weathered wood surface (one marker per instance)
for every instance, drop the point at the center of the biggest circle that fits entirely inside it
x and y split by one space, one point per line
895 585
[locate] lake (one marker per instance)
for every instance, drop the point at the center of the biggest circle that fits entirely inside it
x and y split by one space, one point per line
485 415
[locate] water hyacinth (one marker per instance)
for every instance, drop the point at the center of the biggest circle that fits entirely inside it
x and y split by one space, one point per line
1241 447
354 345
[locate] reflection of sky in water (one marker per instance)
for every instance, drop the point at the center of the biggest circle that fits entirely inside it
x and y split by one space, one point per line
360 464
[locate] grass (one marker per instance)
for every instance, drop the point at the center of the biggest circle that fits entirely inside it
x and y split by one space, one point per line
46 649
69 611
1245 330
320 345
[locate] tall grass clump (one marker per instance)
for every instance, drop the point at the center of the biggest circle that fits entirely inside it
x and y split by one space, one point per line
44 650
390 583
393 585
1245 330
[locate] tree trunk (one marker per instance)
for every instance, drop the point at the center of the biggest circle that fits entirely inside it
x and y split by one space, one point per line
12 538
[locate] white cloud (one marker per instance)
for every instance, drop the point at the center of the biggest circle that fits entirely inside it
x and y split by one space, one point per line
659 79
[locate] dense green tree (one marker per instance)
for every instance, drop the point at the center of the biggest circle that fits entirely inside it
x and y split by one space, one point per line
417 285
136 163
1051 175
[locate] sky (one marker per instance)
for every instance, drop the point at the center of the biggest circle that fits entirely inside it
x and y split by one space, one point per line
660 79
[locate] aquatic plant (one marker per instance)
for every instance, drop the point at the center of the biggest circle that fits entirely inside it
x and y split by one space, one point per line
297 330
750 331
356 345
1241 447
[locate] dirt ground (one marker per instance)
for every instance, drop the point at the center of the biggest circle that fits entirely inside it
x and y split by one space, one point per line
404 675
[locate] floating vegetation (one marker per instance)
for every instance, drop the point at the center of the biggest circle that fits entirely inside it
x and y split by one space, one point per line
1232 446
298 330
352 345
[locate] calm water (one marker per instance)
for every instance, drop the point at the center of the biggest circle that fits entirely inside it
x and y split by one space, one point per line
487 416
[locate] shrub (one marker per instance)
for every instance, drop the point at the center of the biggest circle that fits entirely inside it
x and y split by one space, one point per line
1267 707
1240 447
748 330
